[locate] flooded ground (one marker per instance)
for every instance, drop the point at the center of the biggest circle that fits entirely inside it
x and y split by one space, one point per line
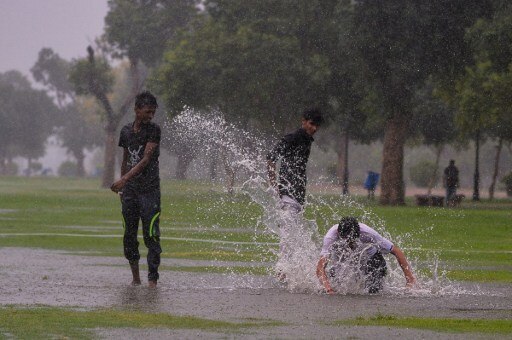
54 278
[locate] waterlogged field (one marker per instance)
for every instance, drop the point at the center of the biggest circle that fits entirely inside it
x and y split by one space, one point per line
211 240
200 221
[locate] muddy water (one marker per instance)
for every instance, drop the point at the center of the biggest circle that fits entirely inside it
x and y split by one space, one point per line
32 276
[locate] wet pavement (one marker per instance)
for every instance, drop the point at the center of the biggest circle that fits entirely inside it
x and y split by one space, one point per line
55 278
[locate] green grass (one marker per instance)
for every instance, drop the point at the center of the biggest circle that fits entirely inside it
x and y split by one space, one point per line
61 323
487 326
472 243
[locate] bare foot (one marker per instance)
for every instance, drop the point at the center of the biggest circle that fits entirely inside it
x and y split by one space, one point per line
135 274
151 284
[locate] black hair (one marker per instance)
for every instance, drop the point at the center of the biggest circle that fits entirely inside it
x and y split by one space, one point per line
348 228
145 98
314 115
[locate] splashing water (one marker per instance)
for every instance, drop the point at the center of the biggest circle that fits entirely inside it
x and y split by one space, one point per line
299 237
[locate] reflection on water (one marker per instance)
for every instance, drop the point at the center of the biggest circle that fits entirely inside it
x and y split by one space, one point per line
140 298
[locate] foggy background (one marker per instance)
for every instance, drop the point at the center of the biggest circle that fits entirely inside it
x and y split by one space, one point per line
69 26
66 26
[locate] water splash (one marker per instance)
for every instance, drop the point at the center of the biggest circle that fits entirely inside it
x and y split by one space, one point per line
244 153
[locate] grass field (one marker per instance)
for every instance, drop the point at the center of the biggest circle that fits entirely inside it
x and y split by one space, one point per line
473 242
200 221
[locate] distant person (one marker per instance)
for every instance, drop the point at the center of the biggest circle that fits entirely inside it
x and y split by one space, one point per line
350 240
139 187
370 184
451 182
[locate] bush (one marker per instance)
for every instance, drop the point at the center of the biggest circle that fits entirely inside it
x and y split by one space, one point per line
421 173
507 180
68 169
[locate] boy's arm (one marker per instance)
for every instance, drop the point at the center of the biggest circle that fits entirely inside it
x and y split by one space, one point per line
322 276
137 169
406 268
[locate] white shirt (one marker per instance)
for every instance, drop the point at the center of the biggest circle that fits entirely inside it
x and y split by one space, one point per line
367 235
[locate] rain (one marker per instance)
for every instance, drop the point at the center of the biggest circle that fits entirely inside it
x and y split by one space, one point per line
249 133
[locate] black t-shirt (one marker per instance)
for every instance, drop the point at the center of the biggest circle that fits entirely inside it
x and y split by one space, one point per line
452 176
293 150
135 142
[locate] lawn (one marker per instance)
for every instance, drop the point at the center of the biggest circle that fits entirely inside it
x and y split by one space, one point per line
472 242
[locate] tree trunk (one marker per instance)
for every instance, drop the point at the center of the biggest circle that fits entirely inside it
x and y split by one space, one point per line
213 166
230 173
184 160
80 157
439 150
496 168
476 177
392 182
110 157
113 118
3 166
342 166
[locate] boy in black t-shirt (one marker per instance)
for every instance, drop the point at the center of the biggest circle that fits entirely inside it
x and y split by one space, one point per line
139 187
293 151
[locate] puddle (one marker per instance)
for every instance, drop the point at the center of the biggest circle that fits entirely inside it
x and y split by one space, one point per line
54 278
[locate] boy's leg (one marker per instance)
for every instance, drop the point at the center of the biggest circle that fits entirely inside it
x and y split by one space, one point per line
131 215
150 215
375 270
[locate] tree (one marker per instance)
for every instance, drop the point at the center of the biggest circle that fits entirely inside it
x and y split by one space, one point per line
26 118
434 120
77 130
402 43
138 31
491 40
250 60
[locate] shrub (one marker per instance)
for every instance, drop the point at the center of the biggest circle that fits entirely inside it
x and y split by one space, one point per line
507 180
68 169
421 173
11 169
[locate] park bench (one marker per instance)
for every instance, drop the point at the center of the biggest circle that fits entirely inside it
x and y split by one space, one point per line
456 201
438 201
429 200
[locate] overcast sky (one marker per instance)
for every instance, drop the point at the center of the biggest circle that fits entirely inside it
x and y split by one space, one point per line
66 26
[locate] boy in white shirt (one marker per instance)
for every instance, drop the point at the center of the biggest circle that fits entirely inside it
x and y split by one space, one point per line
348 237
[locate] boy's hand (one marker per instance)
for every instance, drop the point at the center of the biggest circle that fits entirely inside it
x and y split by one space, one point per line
118 185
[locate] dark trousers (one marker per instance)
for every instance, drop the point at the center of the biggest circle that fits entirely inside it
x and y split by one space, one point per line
144 207
451 192
374 271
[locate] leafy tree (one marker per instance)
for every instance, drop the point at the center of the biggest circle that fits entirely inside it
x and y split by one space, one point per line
26 118
434 120
77 130
401 44
138 31
491 39
256 62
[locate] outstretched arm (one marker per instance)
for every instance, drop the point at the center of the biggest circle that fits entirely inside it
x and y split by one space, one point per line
137 169
402 261
322 276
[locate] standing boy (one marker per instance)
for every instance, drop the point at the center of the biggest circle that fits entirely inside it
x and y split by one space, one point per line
139 187
293 152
